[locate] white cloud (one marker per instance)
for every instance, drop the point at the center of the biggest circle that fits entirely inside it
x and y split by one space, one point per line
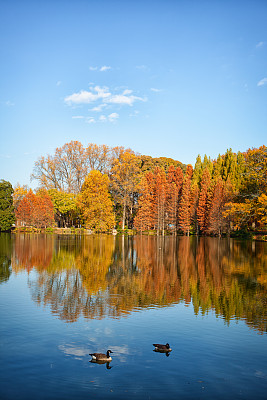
77 117
90 120
260 44
93 68
102 93
58 83
155 90
113 116
82 97
104 68
127 91
124 99
102 118
85 97
262 82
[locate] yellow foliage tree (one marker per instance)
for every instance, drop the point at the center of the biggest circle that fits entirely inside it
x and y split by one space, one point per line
95 202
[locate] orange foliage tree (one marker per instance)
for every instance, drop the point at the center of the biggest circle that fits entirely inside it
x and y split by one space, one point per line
175 181
160 200
217 222
185 206
35 210
144 217
204 201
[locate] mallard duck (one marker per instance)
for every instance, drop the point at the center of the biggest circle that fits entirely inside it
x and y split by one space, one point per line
162 347
101 356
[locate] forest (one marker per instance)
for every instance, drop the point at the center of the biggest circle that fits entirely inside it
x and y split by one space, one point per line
106 189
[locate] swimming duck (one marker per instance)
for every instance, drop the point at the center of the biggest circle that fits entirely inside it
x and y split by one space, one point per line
162 347
101 356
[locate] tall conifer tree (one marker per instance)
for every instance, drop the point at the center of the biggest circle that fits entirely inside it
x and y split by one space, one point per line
185 209
203 203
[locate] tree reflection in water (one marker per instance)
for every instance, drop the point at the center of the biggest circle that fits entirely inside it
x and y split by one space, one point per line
98 276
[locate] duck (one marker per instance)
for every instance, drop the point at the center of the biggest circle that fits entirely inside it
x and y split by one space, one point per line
162 347
102 357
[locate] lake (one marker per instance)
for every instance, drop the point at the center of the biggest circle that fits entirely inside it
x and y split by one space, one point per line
63 297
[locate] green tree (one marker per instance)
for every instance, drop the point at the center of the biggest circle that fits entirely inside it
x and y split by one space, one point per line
64 206
7 215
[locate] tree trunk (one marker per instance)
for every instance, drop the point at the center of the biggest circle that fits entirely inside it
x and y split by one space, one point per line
123 215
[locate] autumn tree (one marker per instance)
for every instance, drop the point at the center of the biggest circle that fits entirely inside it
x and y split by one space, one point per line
261 211
35 210
7 216
148 163
24 211
43 210
144 218
95 202
194 195
217 222
160 200
19 193
203 202
247 210
67 168
98 157
125 176
64 171
185 205
174 187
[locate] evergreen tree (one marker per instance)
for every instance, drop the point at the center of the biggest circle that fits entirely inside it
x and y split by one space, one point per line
196 177
217 168
203 203
7 216
207 163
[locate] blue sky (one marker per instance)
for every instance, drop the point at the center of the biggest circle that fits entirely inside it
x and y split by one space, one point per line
163 77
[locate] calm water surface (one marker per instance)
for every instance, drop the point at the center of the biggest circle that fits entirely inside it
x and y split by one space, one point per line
63 297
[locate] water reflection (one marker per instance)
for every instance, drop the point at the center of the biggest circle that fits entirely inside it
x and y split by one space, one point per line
100 276
5 257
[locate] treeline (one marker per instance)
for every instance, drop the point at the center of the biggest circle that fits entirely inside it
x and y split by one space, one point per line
102 188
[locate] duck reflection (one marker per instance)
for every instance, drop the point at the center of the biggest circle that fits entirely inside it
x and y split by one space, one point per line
107 363
99 276
166 352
